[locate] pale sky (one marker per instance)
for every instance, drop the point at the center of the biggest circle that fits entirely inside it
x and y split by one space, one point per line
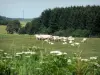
33 8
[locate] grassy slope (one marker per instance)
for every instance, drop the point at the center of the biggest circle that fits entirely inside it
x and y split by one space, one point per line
2 29
14 43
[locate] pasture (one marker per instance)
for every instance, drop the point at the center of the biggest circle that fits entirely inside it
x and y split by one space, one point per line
14 43
24 55
2 29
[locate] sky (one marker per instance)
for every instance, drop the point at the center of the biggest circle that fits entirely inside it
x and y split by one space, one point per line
33 8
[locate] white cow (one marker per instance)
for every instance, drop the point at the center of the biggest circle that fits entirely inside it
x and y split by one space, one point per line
55 38
43 36
38 37
84 39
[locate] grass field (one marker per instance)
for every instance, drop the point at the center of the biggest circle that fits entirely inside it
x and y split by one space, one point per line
14 43
24 55
2 29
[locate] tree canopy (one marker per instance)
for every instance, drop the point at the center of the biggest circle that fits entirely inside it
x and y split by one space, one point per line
4 20
13 26
75 20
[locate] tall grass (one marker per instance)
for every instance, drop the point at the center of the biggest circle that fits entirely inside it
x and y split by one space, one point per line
35 61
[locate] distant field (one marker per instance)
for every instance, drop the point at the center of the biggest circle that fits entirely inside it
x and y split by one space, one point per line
23 22
2 29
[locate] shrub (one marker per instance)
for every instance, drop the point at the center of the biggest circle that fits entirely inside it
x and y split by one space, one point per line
81 33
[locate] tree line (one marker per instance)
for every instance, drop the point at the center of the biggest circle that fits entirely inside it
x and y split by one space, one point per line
79 21
4 20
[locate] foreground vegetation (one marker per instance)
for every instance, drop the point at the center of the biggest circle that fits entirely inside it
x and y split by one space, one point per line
36 61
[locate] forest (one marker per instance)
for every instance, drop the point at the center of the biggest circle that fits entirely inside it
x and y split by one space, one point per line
78 21
4 20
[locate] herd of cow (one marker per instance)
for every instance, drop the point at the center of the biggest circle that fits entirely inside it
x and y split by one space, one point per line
49 38
52 38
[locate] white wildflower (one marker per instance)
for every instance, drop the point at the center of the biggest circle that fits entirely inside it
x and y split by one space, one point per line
59 53
69 61
85 60
38 68
29 52
19 53
5 53
97 64
56 52
33 53
9 57
65 53
93 58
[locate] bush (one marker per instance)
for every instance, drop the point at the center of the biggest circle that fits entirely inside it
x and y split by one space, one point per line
67 32
22 30
4 69
13 26
81 33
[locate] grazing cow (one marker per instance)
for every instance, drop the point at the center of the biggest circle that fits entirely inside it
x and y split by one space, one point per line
43 36
84 39
55 38
37 36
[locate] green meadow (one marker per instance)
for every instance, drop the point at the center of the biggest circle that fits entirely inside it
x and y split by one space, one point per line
14 43
2 29
24 55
